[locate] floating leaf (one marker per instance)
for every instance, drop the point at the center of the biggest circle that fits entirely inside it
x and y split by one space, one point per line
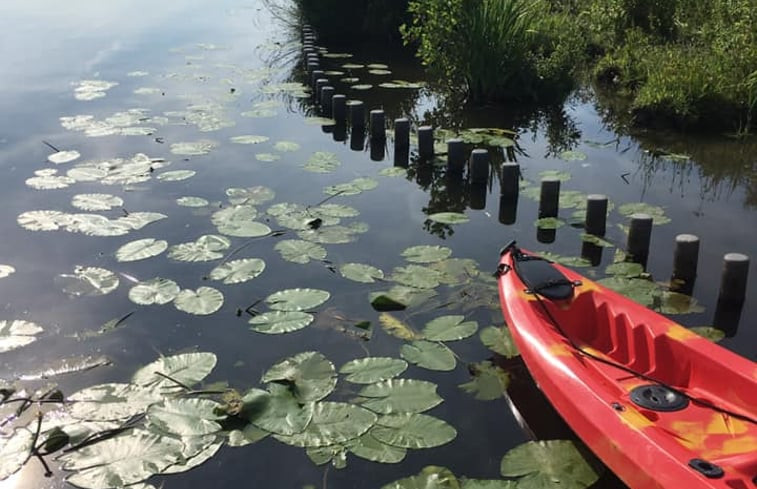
41 220
278 322
267 157
489 484
431 477
141 249
203 301
449 218
712 334
402 295
322 162
625 269
88 281
17 333
449 328
489 381
111 402
185 417
192 202
122 460
370 370
63 157
250 196
205 248
15 450
549 223
548 464
194 148
400 396
426 254
96 202
657 213
362 86
286 146
238 271
311 374
563 176
249 139
676 303
572 156
176 175
369 448
187 368
334 211
499 340
154 291
394 171
277 411
353 66
319 121
246 436
413 430
6 270
596 240
416 276
397 328
332 423
361 273
297 299
300 251
197 450
354 187
49 182
395 84
430 355
379 72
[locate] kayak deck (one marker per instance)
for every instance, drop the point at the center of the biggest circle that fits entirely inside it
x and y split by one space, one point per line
592 354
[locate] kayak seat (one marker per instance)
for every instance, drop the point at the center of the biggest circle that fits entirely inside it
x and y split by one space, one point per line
542 278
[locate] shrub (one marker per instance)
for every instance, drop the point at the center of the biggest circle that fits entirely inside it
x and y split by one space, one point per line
345 21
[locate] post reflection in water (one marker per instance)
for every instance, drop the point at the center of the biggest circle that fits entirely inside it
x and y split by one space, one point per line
357 138
508 209
478 193
591 252
728 316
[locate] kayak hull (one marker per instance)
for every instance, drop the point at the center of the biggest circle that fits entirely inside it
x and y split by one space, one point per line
591 353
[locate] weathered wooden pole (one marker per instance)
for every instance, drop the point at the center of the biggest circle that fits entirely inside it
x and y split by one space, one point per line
426 142
549 201
315 75
378 125
339 108
327 97
510 179
734 278
479 166
596 214
401 142
508 209
686 257
319 84
455 156
357 114
639 237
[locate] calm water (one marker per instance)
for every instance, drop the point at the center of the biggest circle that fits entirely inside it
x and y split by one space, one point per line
223 57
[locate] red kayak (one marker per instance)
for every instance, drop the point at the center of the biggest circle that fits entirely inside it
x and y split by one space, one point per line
661 406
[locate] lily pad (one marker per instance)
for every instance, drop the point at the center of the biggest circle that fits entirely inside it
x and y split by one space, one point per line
431 477
154 291
413 430
573 156
369 448
238 271
141 249
489 381
249 139
416 276
370 370
286 146
185 417
322 162
353 187
397 328
17 333
300 251
430 355
449 328
277 411
657 213
193 148
332 423
400 396
96 202
426 254
549 223
176 175
15 450
267 157
297 299
394 171
187 368
499 340
6 270
449 218
205 248
548 464
712 334
250 196
63 157
192 202
625 269
360 272
89 281
201 302
278 322
311 375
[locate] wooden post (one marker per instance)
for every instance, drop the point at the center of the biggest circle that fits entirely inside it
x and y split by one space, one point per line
401 142
378 125
596 214
549 202
339 108
479 166
455 156
357 114
510 179
327 97
734 279
639 237
426 142
686 257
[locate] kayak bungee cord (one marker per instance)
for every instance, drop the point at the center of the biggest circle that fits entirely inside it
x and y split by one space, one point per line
537 293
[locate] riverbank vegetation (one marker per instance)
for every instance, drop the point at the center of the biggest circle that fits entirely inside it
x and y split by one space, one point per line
673 62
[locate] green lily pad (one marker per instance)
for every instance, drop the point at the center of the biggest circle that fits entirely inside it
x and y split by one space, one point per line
361 273
206 248
488 484
176 175
201 302
111 402
362 86
416 276
277 411
397 328
238 271
549 223
449 218
17 333
89 281
353 187
300 251
332 423
154 291
141 249
267 157
185 417
63 157
400 396
712 334
456 271
322 162
96 202
625 269
489 381
413 430
449 328
596 240
187 368
311 374
404 84
369 448
657 213
499 340
6 270
426 254
333 211
394 171
246 436
297 299
192 202
250 196
401 294
548 464
279 322
248 139
431 477
15 450
573 156
563 176
430 355
286 146
370 370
